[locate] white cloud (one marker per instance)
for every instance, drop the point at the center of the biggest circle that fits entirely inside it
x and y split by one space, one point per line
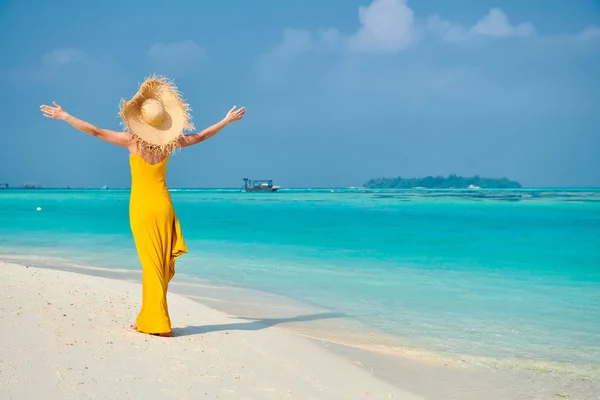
177 52
591 32
446 30
496 24
386 26
389 26
61 57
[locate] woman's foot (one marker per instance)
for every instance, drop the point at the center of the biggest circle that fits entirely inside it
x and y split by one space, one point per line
166 334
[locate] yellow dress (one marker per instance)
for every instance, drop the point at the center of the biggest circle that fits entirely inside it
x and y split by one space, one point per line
158 240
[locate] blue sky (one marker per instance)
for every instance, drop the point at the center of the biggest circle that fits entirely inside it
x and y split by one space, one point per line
337 91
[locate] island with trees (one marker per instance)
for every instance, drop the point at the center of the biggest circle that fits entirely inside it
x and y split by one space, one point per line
440 182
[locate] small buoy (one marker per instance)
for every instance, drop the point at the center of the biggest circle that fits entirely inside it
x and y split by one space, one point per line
39 209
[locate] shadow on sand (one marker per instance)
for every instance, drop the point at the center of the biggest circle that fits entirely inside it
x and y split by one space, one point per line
252 325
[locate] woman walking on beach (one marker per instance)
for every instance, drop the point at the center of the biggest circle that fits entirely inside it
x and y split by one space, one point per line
155 119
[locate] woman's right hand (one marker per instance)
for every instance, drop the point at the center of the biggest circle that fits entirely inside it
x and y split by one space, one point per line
55 112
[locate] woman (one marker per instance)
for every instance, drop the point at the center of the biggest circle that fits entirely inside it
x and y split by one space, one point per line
155 119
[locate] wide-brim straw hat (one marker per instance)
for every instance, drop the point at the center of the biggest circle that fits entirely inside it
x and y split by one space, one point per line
156 116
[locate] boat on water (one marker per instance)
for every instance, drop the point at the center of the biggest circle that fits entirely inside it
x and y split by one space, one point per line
259 185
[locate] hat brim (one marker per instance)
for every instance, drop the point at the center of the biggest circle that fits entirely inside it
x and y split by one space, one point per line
166 136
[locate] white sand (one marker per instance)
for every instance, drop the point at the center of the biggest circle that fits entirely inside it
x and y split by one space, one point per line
66 336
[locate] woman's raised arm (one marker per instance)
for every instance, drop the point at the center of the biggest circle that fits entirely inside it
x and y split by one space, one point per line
57 112
194 138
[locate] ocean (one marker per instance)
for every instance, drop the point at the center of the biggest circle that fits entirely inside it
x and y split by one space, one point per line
500 278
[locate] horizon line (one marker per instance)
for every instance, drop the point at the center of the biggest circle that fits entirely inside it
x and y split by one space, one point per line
289 187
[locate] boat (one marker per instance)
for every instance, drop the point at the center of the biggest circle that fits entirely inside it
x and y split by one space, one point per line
3 185
259 185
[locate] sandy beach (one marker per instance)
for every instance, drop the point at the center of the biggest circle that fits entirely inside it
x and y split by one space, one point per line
65 336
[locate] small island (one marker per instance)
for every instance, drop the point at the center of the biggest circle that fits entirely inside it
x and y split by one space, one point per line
440 182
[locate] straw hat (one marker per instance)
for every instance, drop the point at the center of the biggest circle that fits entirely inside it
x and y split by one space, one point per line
156 116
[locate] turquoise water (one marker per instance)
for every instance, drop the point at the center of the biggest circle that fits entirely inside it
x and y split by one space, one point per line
507 276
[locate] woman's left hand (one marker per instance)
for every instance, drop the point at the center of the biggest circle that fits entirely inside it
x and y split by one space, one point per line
235 114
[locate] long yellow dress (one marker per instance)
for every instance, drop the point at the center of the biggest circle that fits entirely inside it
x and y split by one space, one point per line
158 240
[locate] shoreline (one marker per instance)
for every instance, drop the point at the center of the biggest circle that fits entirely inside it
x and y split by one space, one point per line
66 333
243 302
399 370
